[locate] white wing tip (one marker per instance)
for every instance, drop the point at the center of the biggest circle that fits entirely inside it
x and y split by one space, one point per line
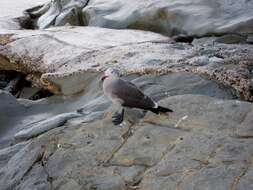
156 105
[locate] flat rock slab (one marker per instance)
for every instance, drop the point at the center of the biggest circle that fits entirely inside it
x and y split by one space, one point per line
155 152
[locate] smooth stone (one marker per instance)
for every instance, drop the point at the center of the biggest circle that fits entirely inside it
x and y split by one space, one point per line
43 126
172 17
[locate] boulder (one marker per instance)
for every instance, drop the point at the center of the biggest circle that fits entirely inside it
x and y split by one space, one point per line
166 17
16 10
183 17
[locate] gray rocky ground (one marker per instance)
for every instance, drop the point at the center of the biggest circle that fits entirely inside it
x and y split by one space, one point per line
55 123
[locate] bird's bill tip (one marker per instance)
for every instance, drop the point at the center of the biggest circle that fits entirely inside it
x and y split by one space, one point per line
103 77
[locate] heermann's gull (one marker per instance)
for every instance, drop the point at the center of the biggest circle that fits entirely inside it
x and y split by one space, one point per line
126 94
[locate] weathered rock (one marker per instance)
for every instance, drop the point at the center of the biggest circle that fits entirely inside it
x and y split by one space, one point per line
40 127
205 144
15 11
94 49
157 152
7 153
172 17
21 164
59 13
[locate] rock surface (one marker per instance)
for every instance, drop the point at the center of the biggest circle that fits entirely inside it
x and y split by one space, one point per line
200 145
166 17
44 56
67 141
16 9
173 17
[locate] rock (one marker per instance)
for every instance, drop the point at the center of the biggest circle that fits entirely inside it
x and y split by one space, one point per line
8 109
202 157
206 143
59 13
156 152
169 18
37 179
146 146
49 17
231 39
37 128
7 153
65 73
246 128
198 113
19 165
200 138
19 114
250 39
7 23
9 10
172 18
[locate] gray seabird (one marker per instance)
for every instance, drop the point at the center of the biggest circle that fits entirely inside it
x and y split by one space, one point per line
126 94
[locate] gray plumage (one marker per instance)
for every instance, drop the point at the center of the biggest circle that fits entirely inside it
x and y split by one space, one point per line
127 94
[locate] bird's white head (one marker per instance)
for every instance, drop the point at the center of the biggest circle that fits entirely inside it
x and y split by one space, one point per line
110 72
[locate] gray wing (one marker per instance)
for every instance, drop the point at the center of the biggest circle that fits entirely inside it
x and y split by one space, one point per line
131 95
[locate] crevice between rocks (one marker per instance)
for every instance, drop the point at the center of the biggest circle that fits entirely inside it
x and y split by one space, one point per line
16 83
125 137
237 179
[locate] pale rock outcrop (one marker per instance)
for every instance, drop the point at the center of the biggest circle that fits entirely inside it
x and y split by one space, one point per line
182 17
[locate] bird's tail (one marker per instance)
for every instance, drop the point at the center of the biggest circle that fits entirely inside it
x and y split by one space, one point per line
160 109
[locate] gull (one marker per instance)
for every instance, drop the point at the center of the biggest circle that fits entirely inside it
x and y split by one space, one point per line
126 94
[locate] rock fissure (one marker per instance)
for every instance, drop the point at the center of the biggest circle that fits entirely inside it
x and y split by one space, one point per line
237 179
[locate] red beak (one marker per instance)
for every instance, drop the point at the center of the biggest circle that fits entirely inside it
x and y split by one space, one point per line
103 77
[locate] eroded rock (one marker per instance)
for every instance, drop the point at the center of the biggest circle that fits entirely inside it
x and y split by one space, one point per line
94 49
172 18
199 142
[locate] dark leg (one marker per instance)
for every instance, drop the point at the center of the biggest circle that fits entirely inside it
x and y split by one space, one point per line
117 118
